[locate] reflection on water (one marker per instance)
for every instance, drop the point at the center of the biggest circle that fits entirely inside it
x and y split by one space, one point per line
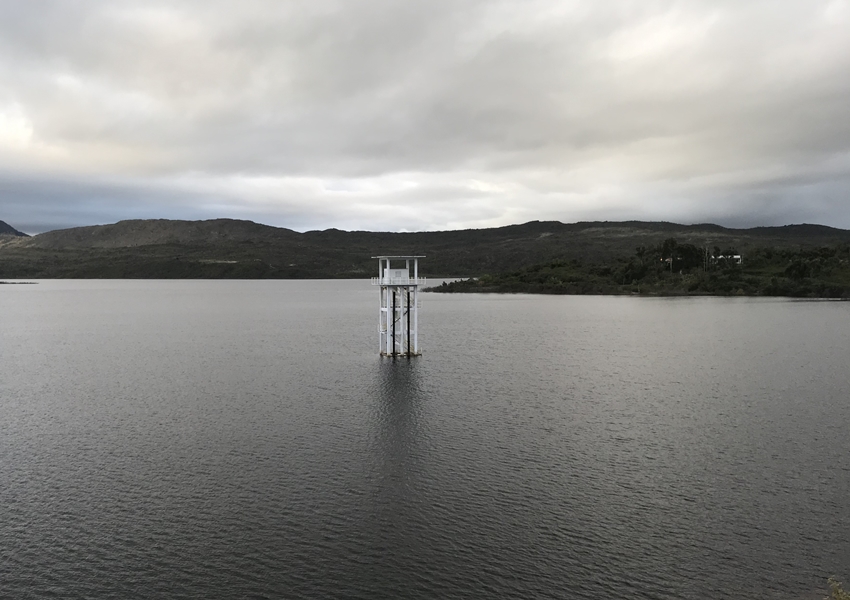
396 517
399 434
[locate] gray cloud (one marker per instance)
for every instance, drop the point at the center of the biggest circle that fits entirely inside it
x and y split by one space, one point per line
433 114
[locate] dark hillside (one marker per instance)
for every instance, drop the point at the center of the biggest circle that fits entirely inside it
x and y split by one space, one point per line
226 248
6 229
127 234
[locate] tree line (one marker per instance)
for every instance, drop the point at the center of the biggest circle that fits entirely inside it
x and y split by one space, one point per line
673 268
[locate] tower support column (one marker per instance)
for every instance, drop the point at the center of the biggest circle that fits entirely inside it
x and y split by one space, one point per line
398 319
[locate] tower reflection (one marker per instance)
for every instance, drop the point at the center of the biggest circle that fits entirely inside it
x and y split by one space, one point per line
399 434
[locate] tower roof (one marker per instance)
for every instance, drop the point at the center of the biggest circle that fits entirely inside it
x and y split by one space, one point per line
399 257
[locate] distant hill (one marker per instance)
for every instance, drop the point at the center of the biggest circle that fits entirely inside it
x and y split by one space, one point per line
6 229
226 248
153 232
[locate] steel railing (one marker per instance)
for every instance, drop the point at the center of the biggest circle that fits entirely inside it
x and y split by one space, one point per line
398 280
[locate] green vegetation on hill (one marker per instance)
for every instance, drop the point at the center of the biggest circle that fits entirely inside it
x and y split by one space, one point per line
672 268
226 248
836 592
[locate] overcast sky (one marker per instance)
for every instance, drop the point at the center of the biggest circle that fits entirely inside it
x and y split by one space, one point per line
424 114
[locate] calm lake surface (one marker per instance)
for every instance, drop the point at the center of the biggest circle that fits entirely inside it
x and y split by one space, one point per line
224 439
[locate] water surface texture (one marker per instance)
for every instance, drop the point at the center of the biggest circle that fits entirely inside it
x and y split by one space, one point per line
222 439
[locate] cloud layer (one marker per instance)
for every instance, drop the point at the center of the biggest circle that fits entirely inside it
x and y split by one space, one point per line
424 114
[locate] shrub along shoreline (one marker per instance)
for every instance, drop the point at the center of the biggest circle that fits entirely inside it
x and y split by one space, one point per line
673 269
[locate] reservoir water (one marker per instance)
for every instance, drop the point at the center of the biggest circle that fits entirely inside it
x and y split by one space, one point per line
233 439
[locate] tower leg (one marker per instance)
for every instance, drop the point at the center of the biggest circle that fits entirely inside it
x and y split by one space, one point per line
416 319
381 320
394 320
